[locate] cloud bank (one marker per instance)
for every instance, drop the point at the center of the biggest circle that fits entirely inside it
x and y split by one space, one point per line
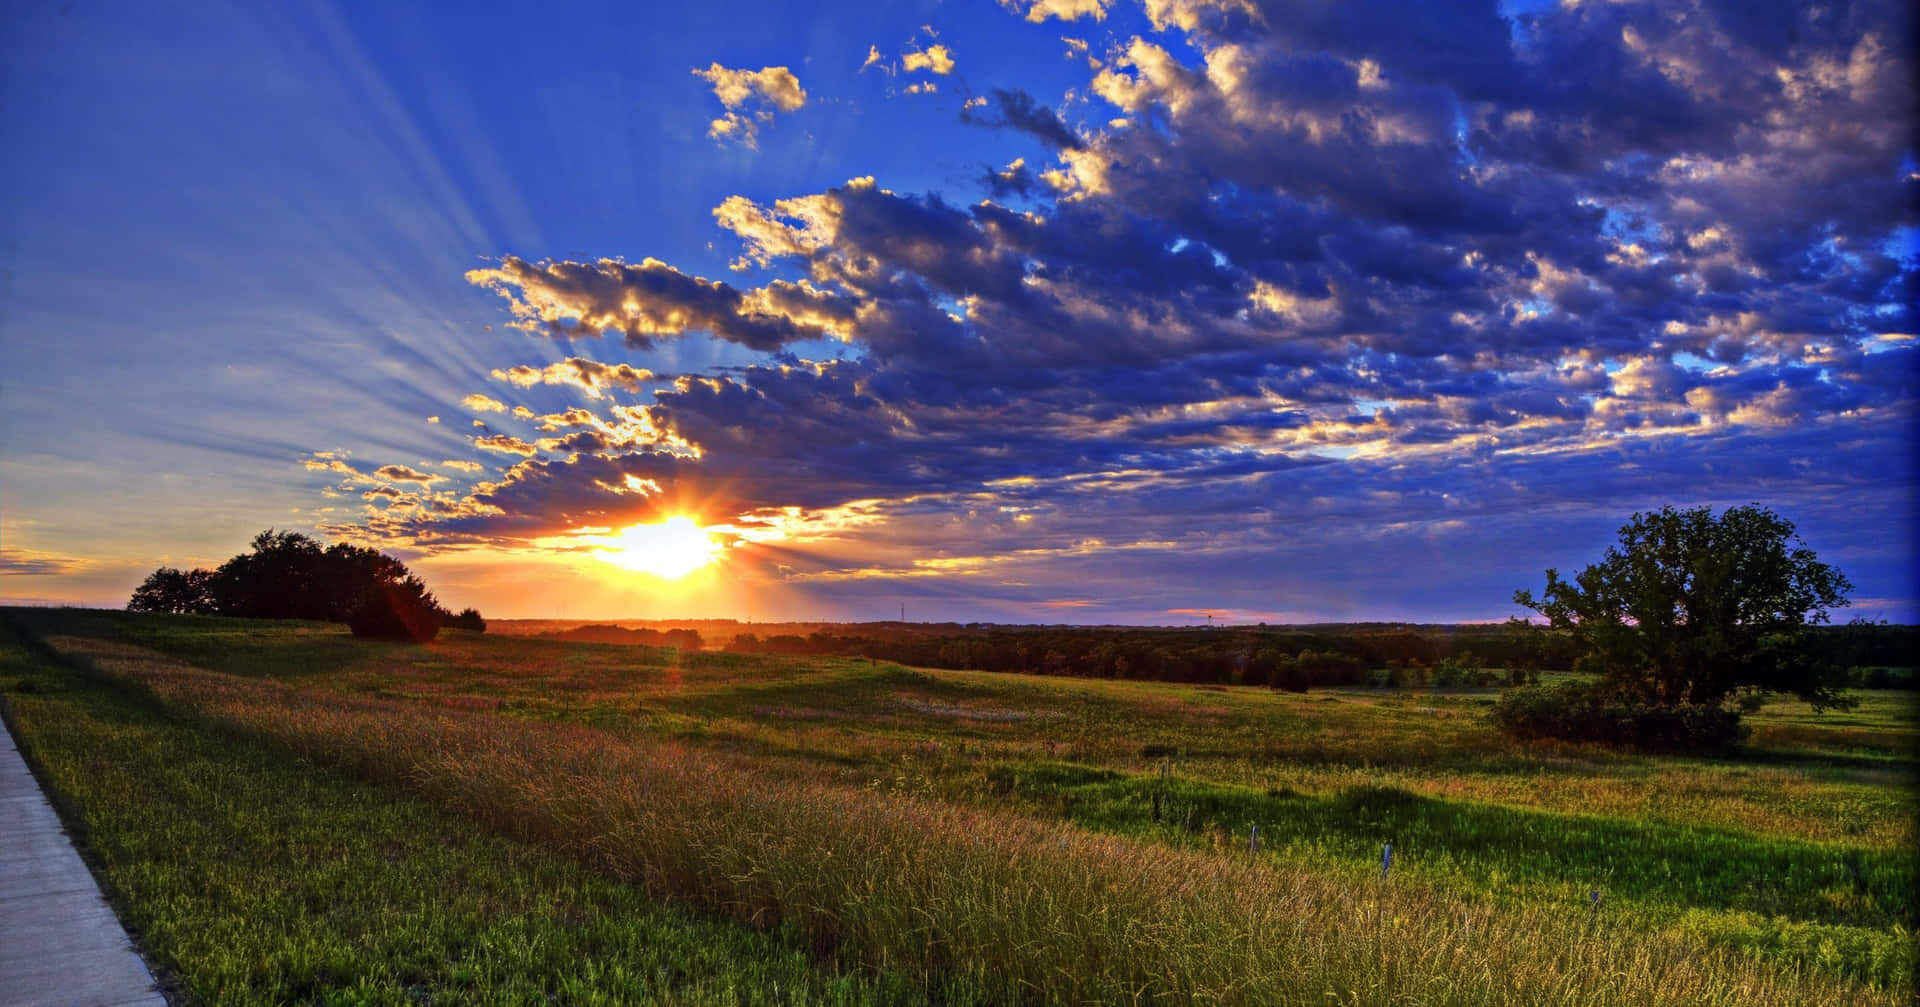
1292 286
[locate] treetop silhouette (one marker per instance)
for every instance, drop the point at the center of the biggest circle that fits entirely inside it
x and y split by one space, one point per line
287 575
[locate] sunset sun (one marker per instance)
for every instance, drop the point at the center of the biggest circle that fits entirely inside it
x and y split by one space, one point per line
670 550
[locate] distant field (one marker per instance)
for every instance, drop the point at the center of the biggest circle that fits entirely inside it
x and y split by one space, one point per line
864 832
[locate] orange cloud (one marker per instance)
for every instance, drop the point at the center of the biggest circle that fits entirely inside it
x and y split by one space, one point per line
590 376
405 474
505 444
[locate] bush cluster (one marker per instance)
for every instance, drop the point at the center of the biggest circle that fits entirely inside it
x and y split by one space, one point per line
1883 677
287 575
1591 712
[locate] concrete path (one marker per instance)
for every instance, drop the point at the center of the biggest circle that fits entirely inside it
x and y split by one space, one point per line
59 940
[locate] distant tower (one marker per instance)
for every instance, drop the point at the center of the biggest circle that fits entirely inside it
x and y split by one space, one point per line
903 611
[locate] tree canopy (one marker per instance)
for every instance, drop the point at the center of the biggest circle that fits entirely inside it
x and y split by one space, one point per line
1690 606
287 575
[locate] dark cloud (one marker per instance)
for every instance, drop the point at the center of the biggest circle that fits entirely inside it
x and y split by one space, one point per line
1019 111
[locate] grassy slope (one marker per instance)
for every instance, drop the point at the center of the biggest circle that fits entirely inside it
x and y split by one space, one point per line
253 878
1801 853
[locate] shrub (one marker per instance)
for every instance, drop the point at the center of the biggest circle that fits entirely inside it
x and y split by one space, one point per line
393 612
469 618
1882 677
1456 671
1589 711
1522 675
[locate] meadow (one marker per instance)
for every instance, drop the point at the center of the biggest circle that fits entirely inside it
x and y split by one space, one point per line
703 827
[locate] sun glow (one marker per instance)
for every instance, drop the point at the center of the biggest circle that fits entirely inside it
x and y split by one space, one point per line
671 549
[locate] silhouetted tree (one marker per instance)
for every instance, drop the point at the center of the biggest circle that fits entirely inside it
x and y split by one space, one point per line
1690 607
278 579
186 592
286 575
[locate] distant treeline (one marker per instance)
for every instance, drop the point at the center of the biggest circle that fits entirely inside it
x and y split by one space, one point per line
287 575
1282 657
685 639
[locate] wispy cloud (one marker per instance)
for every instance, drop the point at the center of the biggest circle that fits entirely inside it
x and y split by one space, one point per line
33 563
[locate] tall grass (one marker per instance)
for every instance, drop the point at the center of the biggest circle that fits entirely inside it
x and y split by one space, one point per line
248 878
953 896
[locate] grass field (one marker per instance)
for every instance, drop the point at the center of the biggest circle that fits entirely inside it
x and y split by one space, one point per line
250 878
863 832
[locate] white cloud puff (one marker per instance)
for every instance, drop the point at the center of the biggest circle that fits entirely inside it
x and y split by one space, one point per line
937 58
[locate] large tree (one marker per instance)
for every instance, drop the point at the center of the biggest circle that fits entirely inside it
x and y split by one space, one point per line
171 590
287 575
1690 606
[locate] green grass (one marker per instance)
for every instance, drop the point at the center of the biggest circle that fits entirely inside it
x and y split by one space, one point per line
1796 854
250 877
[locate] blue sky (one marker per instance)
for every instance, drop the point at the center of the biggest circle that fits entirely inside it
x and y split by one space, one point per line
1069 311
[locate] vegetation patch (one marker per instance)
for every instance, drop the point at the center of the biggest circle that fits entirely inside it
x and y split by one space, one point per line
885 839
248 876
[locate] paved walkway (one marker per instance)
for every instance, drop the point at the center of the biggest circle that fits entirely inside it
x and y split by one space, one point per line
59 940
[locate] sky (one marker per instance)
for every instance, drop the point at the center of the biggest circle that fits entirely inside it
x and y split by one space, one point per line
1058 311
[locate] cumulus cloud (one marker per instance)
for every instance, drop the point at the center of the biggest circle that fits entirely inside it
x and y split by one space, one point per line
936 58
1037 11
483 404
750 97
